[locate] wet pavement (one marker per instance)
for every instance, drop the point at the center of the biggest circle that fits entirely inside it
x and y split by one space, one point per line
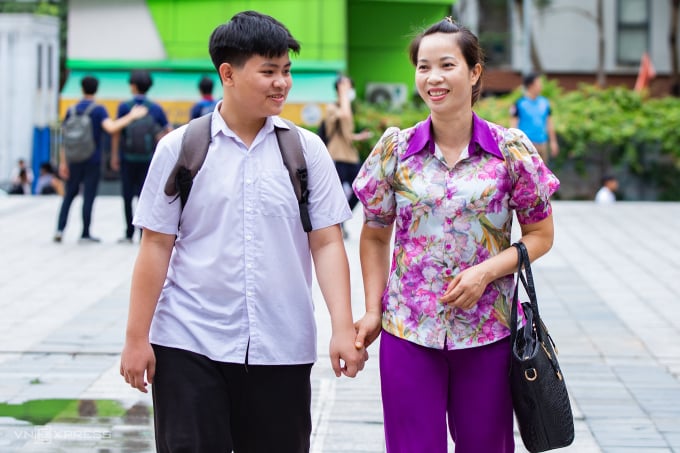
608 291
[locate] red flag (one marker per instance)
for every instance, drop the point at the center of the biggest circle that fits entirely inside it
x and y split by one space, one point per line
645 74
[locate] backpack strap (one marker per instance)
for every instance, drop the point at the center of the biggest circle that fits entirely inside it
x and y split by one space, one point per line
194 149
192 153
89 108
294 160
73 112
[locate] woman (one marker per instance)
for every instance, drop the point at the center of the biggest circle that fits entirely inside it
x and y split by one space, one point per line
340 137
450 185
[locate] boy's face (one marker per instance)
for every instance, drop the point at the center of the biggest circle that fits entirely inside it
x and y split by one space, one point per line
260 86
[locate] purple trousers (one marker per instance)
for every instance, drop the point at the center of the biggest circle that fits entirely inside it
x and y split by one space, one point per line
422 386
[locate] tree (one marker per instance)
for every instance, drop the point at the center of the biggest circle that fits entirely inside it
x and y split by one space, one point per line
535 57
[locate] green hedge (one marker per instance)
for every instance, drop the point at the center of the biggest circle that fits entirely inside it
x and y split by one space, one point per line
605 130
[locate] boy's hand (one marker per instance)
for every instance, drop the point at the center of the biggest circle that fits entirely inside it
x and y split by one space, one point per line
138 111
367 329
345 357
136 359
63 170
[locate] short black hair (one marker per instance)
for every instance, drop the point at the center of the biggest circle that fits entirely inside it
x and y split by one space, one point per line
250 33
141 79
47 166
529 79
606 178
89 85
205 86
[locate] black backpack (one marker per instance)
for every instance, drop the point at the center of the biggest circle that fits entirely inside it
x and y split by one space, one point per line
323 134
138 139
77 136
194 149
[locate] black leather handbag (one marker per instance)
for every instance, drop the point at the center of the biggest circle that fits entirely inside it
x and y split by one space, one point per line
539 393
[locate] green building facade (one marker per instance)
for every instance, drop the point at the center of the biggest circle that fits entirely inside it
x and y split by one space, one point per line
366 39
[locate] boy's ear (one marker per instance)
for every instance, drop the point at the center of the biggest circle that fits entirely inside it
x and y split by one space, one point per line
226 71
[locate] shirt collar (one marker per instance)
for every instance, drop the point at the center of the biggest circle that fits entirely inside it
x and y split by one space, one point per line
481 135
218 124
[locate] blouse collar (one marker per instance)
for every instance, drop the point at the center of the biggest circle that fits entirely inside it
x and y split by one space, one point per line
481 135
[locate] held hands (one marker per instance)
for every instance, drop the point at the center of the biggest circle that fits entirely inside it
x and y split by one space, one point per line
136 359
367 329
466 288
346 358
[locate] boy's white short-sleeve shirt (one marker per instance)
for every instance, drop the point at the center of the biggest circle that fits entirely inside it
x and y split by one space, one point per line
240 273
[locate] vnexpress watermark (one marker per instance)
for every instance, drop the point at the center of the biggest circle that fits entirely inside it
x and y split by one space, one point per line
47 434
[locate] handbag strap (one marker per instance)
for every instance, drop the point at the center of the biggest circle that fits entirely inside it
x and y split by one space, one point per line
526 278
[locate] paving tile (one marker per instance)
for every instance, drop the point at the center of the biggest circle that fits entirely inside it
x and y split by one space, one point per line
608 298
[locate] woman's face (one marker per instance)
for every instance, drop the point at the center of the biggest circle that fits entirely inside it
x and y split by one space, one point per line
443 78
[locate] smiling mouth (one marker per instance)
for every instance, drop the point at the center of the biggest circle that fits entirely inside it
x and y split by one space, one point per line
437 93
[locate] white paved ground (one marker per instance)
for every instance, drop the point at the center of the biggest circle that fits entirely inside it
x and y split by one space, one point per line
609 291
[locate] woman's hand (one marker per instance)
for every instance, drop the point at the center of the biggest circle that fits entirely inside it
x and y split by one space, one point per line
367 329
466 288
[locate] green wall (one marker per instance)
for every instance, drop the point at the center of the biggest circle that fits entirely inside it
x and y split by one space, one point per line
379 34
366 39
185 26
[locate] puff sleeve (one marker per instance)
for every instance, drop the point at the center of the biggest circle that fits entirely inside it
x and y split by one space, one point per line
532 182
373 185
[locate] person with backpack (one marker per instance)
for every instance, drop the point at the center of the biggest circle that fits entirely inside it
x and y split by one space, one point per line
207 103
337 132
80 153
221 319
133 147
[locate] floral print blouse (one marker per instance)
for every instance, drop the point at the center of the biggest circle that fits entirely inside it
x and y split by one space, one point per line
449 218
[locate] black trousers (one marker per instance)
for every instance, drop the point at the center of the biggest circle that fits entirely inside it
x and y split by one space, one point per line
87 174
347 173
132 176
204 406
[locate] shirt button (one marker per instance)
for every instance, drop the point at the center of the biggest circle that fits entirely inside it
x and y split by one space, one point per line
249 181
248 237
249 266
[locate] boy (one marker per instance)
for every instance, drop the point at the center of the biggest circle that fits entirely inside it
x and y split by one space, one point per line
132 164
607 192
207 103
532 114
88 173
227 337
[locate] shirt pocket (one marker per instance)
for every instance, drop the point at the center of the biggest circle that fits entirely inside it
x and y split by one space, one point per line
277 197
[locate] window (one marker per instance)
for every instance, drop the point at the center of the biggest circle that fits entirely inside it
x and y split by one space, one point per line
494 35
633 31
